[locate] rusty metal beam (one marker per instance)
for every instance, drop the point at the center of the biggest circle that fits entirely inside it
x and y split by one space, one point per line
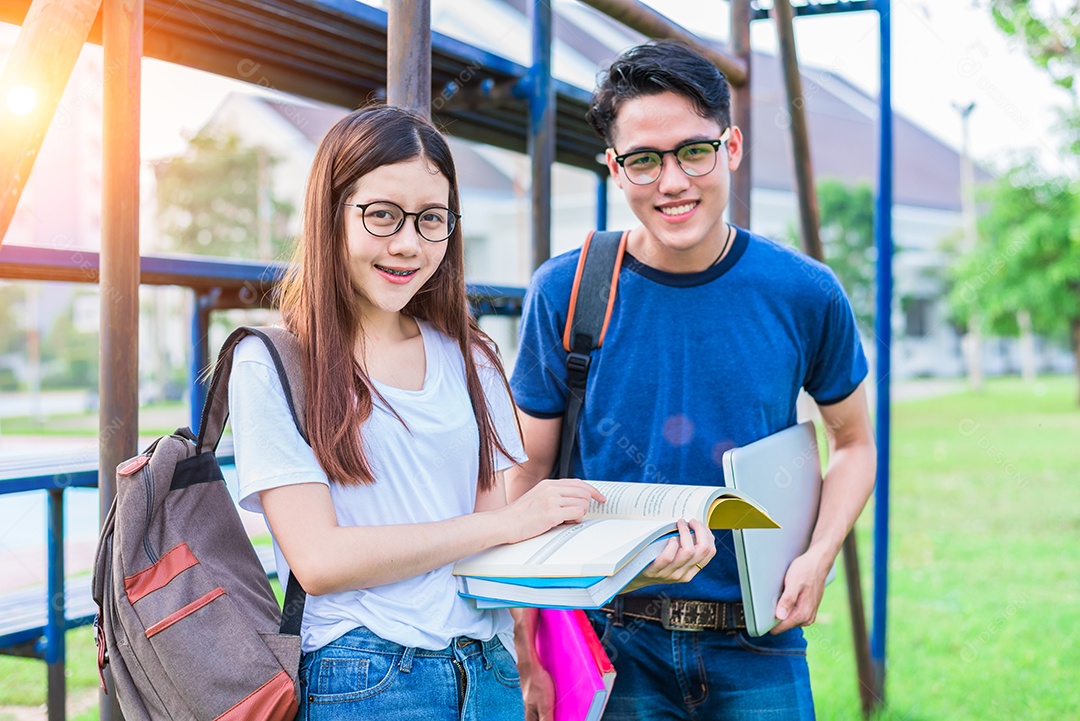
644 19
408 55
38 69
741 179
800 136
122 39
869 694
811 242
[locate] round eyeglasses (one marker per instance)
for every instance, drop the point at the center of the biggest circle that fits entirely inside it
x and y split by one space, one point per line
696 158
383 219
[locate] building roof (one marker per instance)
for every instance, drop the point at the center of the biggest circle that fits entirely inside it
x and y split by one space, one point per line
843 126
334 51
314 120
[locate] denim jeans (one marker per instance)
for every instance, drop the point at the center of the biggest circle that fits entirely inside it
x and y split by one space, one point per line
361 676
704 675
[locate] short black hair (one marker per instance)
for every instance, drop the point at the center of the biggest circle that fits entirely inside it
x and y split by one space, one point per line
654 68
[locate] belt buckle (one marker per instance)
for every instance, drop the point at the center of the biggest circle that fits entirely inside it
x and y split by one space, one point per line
679 615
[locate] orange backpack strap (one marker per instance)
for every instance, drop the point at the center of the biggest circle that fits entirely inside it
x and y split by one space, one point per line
591 302
597 272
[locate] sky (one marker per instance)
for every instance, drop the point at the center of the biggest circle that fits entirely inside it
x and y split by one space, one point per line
945 52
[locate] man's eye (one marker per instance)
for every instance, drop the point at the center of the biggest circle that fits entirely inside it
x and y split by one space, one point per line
640 161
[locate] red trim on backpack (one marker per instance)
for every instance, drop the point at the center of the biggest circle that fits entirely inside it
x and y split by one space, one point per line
275 700
184 612
132 465
166 569
100 641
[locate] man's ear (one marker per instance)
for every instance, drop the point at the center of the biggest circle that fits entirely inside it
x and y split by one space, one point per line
613 167
734 148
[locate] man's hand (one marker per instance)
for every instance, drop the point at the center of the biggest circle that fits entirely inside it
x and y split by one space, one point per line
682 557
804 585
538 690
536 684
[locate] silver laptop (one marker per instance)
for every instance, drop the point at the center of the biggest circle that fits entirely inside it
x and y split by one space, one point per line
782 472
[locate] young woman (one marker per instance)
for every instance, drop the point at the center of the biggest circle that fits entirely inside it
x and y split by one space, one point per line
410 425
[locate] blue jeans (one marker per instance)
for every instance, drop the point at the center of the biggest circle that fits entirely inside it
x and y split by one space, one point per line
704 675
361 676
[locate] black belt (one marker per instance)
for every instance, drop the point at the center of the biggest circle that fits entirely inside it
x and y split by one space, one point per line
676 614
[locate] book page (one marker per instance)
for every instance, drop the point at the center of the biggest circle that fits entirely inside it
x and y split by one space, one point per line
650 500
594 547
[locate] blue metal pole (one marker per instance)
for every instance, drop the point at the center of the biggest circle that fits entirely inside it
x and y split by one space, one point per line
601 200
56 622
200 353
541 141
883 332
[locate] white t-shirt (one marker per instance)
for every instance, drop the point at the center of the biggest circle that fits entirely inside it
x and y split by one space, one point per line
426 472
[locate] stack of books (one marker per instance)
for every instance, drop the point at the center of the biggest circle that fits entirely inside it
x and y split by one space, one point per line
584 565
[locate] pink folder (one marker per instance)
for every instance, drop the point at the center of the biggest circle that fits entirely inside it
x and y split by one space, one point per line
579 667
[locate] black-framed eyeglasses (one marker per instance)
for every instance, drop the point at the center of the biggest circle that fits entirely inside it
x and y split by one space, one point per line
696 158
383 219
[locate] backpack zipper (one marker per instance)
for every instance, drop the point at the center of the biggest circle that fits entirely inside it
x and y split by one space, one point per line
148 481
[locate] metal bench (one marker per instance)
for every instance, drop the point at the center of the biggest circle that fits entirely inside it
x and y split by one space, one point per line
24 616
33 620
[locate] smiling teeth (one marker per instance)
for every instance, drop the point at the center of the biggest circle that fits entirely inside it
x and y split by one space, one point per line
391 271
678 209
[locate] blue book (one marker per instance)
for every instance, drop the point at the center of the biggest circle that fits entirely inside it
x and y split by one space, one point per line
558 592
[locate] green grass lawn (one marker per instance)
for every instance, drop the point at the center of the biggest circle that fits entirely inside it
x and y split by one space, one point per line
155 419
984 585
984 554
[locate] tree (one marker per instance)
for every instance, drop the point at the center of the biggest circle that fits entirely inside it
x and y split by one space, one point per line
847 237
1050 32
216 199
12 338
70 353
1027 258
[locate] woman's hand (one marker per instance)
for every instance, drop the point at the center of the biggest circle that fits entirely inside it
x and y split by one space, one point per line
550 503
681 559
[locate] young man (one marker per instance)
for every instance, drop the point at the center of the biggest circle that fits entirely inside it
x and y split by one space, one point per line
713 333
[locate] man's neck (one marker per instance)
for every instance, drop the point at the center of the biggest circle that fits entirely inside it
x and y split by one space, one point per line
693 259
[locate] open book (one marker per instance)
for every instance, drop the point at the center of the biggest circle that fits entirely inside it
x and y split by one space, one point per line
612 533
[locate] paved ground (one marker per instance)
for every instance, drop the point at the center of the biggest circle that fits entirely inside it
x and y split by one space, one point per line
78 702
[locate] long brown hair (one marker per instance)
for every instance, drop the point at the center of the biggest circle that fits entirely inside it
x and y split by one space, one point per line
319 304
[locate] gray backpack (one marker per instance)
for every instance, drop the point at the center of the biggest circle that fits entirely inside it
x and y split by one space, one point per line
188 626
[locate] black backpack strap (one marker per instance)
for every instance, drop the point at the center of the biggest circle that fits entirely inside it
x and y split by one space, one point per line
292 610
591 302
284 350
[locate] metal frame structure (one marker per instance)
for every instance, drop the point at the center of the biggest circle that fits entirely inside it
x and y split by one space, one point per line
344 53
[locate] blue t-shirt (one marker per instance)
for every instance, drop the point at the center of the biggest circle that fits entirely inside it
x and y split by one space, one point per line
692 364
